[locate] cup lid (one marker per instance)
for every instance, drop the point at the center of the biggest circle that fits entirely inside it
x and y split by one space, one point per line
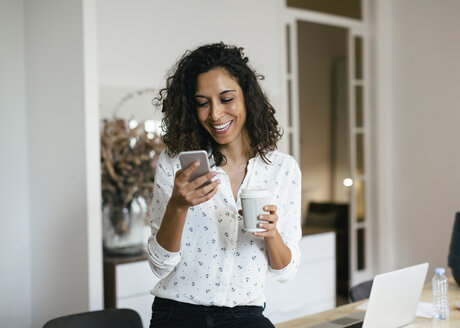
255 193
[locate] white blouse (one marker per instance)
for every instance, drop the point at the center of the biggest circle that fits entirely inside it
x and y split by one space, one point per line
219 262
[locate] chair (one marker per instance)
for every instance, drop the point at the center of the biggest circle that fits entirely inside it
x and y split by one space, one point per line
454 249
360 291
108 318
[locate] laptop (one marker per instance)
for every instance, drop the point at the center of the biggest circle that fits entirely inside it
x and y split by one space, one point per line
392 302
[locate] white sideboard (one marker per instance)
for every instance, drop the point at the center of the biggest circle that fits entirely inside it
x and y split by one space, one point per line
313 288
128 284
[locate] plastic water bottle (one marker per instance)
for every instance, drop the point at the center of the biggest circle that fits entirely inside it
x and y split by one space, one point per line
440 298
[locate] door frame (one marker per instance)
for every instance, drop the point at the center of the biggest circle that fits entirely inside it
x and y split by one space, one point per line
355 28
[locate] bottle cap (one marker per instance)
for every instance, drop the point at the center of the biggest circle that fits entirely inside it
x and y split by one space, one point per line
439 271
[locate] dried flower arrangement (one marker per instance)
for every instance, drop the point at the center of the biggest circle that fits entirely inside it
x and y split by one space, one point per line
129 153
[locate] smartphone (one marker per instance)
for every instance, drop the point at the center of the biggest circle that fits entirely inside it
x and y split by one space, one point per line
187 158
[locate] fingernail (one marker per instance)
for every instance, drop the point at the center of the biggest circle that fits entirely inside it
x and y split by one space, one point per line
261 216
265 208
260 225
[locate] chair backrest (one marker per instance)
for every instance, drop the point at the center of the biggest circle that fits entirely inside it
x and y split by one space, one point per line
454 250
108 318
360 291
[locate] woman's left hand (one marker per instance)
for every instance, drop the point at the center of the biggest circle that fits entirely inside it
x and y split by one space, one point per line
268 222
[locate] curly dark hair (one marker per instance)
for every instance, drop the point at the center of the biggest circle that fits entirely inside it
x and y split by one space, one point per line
180 123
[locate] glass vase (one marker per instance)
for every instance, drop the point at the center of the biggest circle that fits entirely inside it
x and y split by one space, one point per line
123 228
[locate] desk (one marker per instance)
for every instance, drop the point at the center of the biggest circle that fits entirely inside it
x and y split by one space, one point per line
454 320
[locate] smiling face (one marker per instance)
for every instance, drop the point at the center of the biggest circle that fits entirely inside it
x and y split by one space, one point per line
220 107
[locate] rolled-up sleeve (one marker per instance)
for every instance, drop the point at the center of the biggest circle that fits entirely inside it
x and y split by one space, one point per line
289 224
161 261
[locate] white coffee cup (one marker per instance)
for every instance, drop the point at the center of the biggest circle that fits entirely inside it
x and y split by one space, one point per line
253 202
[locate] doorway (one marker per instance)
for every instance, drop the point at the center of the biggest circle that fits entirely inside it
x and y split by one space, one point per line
324 130
327 88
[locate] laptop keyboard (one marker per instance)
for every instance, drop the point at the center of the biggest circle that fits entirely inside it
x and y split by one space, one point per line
356 325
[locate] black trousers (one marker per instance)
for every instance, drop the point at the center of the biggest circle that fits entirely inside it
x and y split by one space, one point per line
172 314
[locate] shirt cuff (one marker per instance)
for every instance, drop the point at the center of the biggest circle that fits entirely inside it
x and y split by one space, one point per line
161 260
288 272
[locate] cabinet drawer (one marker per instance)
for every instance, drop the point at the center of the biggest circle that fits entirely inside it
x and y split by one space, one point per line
318 246
134 278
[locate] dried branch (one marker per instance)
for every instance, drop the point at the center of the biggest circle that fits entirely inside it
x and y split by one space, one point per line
128 162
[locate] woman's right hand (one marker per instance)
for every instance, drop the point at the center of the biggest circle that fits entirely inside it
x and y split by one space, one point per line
186 194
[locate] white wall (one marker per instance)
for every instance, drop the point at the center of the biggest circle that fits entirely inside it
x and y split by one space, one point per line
14 189
426 75
139 41
50 199
425 116
61 114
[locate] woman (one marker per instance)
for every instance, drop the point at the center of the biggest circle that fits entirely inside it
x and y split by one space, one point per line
212 270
